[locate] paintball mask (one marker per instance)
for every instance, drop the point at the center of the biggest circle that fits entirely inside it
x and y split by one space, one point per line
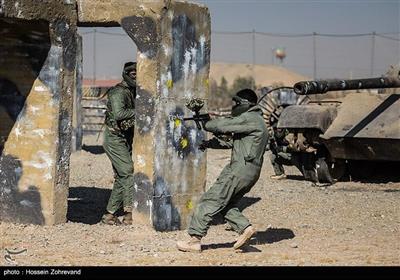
243 101
129 74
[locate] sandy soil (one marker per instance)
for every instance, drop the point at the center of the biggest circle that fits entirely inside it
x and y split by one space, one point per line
349 223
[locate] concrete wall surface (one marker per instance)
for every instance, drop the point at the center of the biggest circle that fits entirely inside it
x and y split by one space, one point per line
37 77
42 52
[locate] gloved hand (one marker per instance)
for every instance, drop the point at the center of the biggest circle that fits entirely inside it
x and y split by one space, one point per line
281 149
203 145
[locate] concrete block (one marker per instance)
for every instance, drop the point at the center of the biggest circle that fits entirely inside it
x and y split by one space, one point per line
173 42
39 47
173 67
37 76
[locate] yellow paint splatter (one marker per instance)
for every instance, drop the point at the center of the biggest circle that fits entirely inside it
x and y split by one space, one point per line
170 84
189 205
177 122
206 82
184 143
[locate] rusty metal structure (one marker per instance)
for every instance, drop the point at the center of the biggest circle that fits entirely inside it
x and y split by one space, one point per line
333 137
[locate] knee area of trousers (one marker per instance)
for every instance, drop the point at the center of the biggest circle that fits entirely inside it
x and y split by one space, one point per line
125 172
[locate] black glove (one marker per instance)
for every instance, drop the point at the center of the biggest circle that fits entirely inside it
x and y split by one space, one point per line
203 145
281 149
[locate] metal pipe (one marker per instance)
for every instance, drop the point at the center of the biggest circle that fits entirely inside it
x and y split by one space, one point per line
323 86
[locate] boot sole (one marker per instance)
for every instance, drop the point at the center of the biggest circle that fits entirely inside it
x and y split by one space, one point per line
243 241
111 223
127 222
188 250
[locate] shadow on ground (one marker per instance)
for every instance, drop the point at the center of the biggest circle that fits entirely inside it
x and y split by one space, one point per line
96 150
87 205
372 172
295 177
270 235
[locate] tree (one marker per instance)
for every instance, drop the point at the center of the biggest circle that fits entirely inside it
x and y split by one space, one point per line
223 88
241 83
221 94
277 84
213 87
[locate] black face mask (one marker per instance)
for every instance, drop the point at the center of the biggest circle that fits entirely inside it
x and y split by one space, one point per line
240 109
129 80
241 106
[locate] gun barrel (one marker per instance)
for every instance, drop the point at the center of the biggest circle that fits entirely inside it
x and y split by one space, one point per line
323 86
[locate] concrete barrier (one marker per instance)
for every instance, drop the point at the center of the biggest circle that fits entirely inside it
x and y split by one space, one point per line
173 41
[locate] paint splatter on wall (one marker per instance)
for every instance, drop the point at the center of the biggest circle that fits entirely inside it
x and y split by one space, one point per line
39 137
173 67
183 164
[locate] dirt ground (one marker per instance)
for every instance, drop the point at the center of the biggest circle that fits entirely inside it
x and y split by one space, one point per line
299 224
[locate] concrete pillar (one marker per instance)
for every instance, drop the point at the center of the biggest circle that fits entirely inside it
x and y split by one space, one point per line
77 116
173 41
170 171
37 76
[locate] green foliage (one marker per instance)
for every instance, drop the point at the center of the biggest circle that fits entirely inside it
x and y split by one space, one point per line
241 83
277 84
223 88
221 95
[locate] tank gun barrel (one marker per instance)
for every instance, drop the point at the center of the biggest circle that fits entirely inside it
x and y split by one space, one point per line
323 86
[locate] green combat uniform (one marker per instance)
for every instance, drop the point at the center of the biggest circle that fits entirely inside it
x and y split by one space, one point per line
248 144
280 152
118 138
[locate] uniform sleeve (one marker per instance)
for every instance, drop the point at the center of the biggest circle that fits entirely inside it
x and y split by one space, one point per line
119 108
229 125
217 143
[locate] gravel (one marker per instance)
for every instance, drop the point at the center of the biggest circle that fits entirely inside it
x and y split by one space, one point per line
349 223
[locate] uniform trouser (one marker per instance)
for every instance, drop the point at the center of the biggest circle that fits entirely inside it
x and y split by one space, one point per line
231 185
118 147
288 159
280 159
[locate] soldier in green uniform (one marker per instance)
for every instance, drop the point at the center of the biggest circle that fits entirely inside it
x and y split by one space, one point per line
118 138
249 139
281 153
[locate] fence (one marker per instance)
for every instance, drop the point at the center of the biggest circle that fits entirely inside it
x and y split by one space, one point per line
315 55
93 104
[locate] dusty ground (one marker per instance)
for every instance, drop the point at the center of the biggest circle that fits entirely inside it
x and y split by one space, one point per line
350 223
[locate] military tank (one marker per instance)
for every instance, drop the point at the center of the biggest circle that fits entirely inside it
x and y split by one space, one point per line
335 138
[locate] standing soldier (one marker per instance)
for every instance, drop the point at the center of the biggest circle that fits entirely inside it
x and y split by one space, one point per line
249 138
118 138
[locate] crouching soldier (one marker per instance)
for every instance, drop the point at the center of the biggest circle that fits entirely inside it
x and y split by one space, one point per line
249 139
282 153
279 155
118 139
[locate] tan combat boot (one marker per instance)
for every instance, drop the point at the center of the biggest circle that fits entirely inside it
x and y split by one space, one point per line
192 245
110 219
244 237
278 177
127 220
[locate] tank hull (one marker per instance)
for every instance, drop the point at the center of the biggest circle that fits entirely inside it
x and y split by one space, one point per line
371 149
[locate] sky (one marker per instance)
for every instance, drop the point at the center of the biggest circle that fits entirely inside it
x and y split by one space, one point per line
335 57
299 16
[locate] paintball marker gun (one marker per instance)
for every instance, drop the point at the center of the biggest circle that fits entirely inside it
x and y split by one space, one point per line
195 106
